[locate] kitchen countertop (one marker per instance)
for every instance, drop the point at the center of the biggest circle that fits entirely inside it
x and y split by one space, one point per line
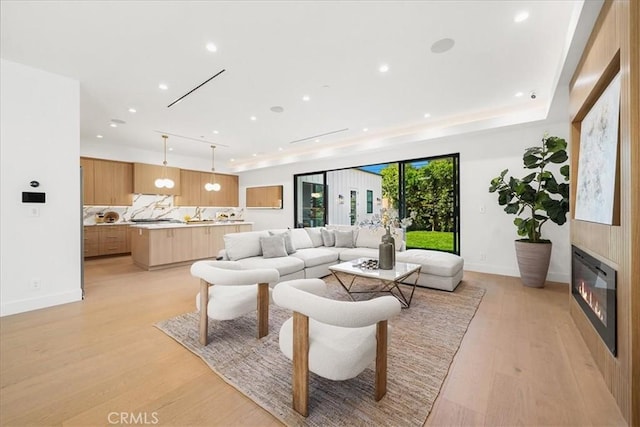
183 224
110 223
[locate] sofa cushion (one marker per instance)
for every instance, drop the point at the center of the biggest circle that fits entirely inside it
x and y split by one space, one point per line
344 239
288 241
315 234
369 237
284 265
301 239
243 245
354 253
328 237
433 262
316 256
273 246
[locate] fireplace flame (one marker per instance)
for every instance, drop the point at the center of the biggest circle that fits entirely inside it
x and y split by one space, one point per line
592 301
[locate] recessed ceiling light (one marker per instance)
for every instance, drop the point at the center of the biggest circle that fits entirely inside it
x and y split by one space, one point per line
170 148
99 136
254 118
211 47
365 129
306 98
519 94
113 125
163 86
216 132
427 115
132 110
383 68
522 16
442 45
254 154
232 160
317 140
279 148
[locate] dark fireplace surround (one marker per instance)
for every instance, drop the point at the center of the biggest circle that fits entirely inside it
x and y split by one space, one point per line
593 285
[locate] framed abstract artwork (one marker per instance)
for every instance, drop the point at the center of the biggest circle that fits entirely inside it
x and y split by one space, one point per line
597 161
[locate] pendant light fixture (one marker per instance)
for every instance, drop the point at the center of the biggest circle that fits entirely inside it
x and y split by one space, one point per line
164 182
213 185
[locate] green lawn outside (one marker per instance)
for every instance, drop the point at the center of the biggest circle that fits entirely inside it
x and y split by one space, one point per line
441 240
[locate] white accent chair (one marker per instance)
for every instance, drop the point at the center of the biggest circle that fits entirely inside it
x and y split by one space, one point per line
236 293
334 339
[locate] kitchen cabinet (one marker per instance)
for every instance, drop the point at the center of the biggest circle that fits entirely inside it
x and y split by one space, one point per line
194 194
228 194
264 197
144 178
106 182
91 242
106 240
207 241
159 247
190 190
88 177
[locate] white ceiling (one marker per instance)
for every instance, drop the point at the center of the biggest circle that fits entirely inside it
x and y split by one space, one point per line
276 52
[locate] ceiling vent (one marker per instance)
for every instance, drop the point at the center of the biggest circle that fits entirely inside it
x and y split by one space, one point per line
319 136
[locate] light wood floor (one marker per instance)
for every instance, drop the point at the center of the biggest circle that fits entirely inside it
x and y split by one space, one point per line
522 361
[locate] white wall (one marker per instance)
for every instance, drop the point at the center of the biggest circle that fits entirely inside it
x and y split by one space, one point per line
39 141
487 239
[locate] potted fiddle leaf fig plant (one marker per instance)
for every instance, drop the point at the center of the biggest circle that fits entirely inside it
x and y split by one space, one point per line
535 199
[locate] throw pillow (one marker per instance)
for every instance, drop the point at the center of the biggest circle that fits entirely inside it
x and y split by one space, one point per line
344 239
315 234
328 237
273 247
288 241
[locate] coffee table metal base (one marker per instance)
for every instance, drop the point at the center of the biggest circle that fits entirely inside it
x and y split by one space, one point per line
348 282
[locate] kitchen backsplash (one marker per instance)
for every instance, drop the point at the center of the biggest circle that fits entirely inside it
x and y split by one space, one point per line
155 207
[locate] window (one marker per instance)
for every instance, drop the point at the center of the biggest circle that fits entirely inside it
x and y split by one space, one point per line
427 186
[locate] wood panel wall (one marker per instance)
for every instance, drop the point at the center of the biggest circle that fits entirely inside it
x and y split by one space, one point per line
614 46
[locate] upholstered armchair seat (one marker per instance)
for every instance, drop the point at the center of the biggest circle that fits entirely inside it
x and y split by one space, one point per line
335 353
336 340
231 302
228 291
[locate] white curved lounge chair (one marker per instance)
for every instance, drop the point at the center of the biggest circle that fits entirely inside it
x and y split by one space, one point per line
334 339
229 292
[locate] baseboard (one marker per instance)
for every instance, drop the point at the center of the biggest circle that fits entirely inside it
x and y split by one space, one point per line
552 276
30 304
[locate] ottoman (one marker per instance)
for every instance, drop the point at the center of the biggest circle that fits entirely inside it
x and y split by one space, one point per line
440 270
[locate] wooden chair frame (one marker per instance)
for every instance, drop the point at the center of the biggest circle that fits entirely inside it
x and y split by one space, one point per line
300 376
262 308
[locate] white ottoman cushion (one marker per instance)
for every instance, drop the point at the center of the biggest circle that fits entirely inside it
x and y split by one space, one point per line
433 262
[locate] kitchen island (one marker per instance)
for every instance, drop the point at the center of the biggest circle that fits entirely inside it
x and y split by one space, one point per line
156 246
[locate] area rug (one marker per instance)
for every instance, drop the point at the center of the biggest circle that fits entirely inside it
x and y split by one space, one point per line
424 340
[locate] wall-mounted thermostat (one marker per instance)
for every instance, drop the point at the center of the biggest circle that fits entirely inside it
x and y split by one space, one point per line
29 197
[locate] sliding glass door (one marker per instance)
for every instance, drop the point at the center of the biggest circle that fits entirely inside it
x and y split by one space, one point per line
310 204
428 186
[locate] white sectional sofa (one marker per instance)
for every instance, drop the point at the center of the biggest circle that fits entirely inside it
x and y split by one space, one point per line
308 252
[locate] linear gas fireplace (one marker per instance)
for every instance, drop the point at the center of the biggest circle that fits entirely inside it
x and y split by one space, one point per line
593 285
